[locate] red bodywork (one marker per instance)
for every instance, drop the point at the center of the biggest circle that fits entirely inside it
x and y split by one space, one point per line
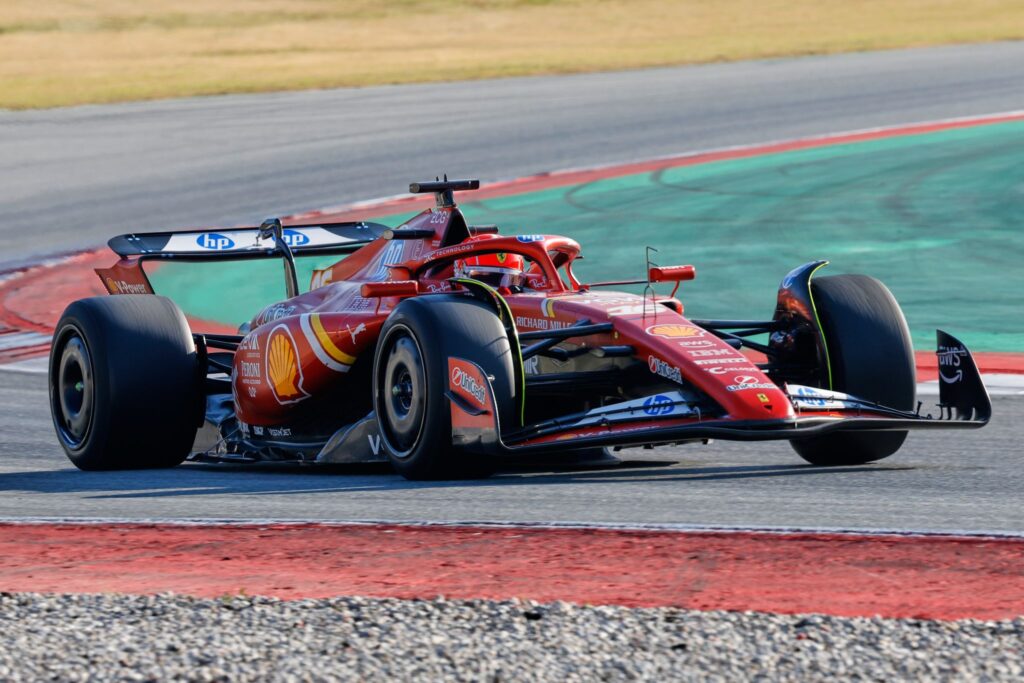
301 346
300 374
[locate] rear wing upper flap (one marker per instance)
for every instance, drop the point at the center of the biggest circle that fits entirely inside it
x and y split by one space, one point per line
245 242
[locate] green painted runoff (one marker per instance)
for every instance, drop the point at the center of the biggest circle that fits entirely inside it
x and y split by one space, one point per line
937 217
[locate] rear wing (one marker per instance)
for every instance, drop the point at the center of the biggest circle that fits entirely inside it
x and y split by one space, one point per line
226 244
270 240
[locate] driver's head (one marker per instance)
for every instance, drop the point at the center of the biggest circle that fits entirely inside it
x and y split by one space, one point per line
497 270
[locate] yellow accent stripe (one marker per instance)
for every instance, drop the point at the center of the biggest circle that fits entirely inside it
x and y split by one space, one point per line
817 321
325 341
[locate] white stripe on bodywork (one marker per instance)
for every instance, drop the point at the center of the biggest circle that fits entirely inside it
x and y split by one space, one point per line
314 344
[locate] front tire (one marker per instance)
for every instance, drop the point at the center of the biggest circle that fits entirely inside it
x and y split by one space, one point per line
410 378
871 357
125 388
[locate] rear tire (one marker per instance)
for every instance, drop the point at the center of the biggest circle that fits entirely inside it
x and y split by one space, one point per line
410 378
871 357
125 389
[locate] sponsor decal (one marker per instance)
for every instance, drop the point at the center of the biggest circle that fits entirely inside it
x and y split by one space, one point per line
547 308
250 343
659 405
818 399
696 344
279 431
660 367
469 384
540 323
706 353
721 370
744 382
443 287
215 241
763 398
122 287
629 309
532 365
374 440
448 251
361 327
526 239
949 358
275 312
294 238
675 331
812 397
257 430
284 375
720 361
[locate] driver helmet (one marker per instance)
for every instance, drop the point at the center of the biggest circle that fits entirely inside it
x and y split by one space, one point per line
497 270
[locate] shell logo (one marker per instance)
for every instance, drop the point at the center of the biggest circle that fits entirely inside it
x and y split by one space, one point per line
675 331
283 372
112 286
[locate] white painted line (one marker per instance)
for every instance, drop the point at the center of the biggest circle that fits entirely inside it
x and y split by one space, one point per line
34 366
998 384
610 526
21 340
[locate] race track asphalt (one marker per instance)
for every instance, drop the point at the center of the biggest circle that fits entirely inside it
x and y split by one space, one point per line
963 481
75 177
72 178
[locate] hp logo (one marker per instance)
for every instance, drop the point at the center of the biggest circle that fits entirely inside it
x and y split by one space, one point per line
659 405
293 238
211 240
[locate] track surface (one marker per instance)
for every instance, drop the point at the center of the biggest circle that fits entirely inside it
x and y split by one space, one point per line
969 482
72 178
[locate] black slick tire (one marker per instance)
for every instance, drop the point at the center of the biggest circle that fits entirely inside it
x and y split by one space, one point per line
125 387
410 378
871 357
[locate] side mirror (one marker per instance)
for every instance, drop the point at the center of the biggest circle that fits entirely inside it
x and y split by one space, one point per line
671 273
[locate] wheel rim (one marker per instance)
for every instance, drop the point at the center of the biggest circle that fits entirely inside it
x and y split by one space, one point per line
402 386
73 398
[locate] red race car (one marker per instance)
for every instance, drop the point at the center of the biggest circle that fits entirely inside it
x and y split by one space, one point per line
444 347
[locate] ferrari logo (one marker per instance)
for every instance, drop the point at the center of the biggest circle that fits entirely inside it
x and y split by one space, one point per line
763 398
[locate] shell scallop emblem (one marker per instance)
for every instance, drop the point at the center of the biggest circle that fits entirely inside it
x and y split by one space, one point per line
283 371
675 331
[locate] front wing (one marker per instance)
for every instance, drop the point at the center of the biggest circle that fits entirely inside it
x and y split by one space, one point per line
669 418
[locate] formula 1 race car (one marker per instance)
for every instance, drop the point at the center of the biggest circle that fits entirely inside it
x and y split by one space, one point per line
443 347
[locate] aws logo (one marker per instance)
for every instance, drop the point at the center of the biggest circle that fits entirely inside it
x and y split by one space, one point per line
284 374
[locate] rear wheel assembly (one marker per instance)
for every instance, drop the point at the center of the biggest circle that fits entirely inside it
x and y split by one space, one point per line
125 388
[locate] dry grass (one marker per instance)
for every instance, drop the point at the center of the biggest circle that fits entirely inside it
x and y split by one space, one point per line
61 52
